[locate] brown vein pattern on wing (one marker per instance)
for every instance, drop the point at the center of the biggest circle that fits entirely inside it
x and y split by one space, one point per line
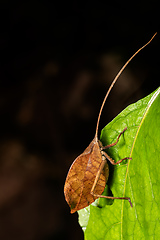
81 177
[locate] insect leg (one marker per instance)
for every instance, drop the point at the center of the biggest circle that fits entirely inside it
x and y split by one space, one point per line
113 144
96 180
98 175
111 160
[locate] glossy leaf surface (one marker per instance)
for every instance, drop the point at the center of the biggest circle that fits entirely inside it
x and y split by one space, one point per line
138 178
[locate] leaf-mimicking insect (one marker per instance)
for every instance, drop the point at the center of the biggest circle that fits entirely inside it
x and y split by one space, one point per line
88 175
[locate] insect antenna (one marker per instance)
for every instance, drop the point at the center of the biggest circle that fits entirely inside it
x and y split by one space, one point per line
114 81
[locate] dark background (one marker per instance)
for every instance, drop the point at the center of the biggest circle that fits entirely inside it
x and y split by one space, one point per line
57 62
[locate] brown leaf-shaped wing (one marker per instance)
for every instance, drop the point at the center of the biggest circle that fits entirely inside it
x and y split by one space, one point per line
81 177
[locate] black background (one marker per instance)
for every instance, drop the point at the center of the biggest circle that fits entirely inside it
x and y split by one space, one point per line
57 62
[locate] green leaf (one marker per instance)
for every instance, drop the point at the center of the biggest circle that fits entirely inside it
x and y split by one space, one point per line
138 178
